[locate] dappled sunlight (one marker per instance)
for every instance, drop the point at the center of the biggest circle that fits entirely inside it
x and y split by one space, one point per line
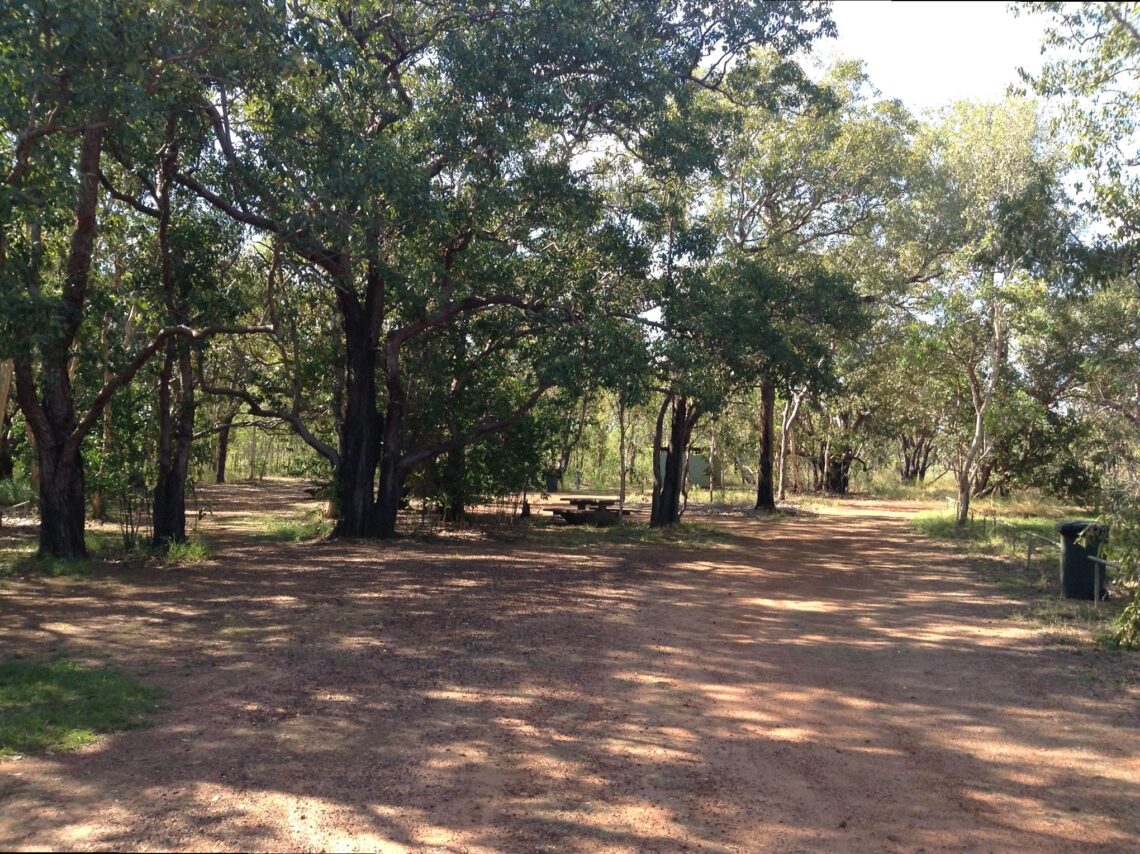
816 684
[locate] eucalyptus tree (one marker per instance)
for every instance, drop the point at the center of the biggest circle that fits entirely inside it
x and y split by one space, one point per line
419 154
80 83
801 174
994 187
723 322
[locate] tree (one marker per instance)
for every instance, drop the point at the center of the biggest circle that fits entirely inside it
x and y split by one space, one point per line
418 156
725 322
997 197
800 174
1093 72
64 99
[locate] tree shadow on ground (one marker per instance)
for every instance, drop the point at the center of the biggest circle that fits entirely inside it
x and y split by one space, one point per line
814 684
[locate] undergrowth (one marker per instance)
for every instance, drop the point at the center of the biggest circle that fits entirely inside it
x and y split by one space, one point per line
312 527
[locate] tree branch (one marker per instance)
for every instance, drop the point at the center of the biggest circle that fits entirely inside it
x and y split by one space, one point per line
141 358
410 461
293 419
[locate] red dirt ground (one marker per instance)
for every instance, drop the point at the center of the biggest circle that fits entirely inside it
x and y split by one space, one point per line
811 683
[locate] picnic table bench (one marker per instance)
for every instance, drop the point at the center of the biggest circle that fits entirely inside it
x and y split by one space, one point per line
595 511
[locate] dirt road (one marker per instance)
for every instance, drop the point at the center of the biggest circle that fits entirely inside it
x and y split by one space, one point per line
833 683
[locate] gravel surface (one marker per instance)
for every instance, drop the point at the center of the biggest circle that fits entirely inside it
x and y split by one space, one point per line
814 683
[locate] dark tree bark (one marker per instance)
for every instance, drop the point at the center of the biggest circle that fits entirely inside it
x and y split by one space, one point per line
981 485
176 417
837 474
52 419
666 509
765 487
61 506
392 468
223 446
914 457
7 464
175 439
360 433
453 472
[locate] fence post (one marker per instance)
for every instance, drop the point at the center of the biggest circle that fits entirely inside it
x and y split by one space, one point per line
1028 552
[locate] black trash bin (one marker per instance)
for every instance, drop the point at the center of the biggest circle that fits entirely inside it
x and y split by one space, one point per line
1078 573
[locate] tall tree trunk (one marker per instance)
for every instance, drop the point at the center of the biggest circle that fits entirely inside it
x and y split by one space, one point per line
787 441
655 460
392 471
7 464
924 461
360 434
223 447
914 457
58 458
385 510
765 496
667 500
964 491
51 419
793 455
252 452
621 458
169 509
453 474
982 394
98 500
7 368
61 504
176 420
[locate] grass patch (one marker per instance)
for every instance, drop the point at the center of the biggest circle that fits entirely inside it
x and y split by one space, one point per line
18 558
275 529
15 491
190 552
62 705
633 533
15 549
105 549
998 539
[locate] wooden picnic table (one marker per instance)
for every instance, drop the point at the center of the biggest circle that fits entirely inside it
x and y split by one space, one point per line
596 511
591 503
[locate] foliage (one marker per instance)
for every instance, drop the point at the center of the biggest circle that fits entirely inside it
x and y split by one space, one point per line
63 705
1093 71
1122 512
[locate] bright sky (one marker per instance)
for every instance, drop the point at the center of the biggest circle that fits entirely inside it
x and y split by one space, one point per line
929 54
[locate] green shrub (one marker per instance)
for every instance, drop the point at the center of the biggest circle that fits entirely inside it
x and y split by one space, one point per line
191 551
1122 512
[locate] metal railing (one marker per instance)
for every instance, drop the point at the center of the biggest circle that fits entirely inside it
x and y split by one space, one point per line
4 510
1101 567
991 524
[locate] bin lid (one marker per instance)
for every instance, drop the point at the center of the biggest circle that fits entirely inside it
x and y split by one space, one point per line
1076 527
